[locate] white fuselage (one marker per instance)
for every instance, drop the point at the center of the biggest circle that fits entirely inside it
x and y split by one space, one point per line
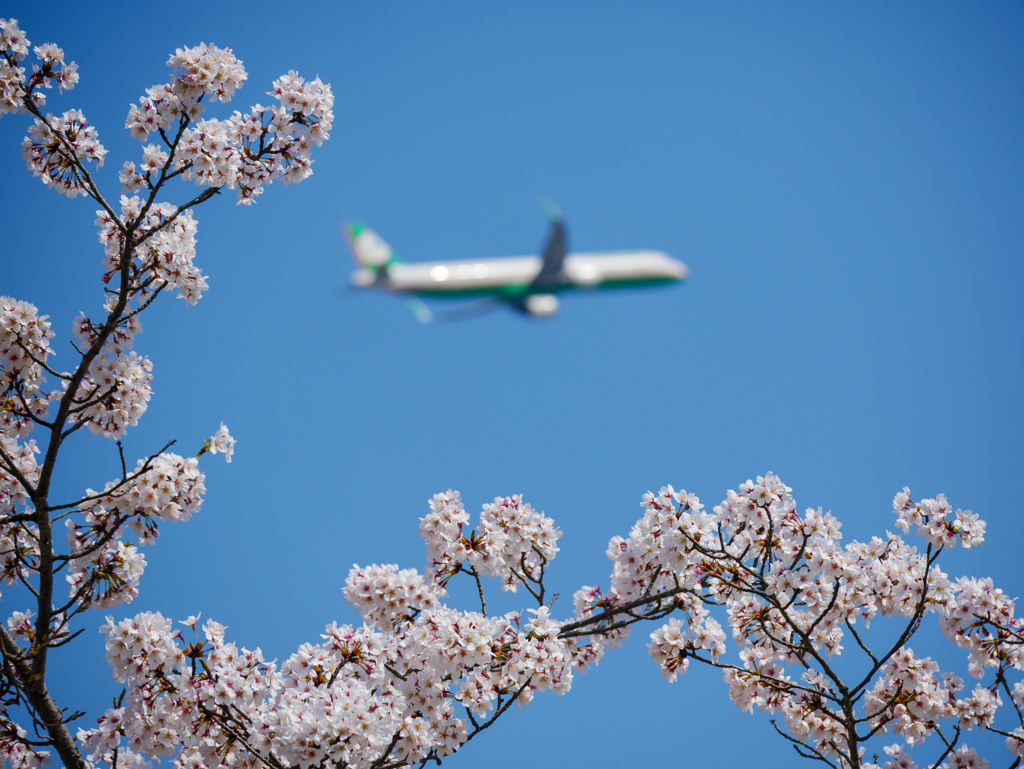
584 270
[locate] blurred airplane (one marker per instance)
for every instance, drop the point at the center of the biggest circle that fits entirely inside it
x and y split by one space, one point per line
527 284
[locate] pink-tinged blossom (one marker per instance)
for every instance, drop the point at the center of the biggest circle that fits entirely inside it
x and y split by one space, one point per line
21 456
1015 742
141 646
13 46
12 91
109 578
21 625
154 111
46 74
965 758
164 488
981 618
899 758
385 595
668 648
208 156
130 179
153 158
167 487
119 340
19 547
19 755
24 340
12 39
222 443
931 517
164 255
53 68
513 542
24 349
206 70
248 150
442 533
55 148
114 394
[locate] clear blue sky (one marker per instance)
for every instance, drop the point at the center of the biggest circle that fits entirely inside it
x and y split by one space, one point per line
844 181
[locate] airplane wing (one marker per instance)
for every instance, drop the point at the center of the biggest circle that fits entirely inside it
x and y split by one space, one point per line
471 310
554 252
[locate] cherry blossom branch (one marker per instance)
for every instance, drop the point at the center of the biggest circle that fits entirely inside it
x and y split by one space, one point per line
41 362
111 492
34 688
911 627
499 709
10 466
799 746
860 643
70 154
568 630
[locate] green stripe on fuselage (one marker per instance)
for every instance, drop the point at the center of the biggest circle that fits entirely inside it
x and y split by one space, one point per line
514 292
510 292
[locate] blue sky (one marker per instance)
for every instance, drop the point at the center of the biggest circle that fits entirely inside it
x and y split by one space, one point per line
844 182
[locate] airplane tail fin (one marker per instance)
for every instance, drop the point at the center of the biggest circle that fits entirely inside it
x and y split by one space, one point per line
554 252
368 249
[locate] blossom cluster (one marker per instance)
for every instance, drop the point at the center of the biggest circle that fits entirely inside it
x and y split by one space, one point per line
13 47
244 152
223 443
203 71
326 701
388 690
793 596
114 394
19 551
164 246
24 347
55 148
512 542
360 696
17 751
924 695
120 338
981 619
21 456
386 596
104 570
206 70
671 644
269 143
932 520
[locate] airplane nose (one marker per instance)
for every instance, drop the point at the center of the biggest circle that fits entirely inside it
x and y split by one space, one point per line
666 266
679 270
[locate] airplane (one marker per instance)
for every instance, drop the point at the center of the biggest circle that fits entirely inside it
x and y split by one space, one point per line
527 284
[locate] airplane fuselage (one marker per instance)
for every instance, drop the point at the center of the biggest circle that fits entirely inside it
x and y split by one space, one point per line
515 275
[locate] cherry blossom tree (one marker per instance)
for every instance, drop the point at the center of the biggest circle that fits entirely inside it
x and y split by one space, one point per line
418 679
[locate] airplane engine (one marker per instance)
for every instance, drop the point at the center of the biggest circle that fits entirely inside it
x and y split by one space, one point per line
541 305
